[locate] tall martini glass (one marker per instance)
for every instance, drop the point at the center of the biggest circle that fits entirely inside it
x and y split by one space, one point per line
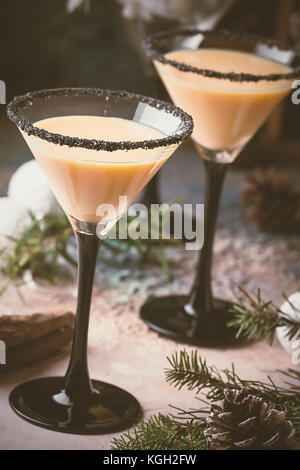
93 146
229 83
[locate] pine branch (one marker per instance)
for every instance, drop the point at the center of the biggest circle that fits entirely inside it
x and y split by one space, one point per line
257 319
155 242
41 244
193 372
185 429
163 433
37 250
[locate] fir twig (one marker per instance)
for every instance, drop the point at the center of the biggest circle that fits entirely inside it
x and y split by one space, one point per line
185 429
163 433
41 244
155 241
37 250
256 319
193 372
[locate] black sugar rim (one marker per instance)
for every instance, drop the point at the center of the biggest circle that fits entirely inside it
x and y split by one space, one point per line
23 101
152 46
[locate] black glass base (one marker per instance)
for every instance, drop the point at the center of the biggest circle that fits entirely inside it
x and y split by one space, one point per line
43 403
167 316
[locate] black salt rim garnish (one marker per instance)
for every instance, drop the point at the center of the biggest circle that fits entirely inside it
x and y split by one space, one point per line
154 51
22 102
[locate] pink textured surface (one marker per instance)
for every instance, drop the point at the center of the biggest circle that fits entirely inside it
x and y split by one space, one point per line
121 349
124 352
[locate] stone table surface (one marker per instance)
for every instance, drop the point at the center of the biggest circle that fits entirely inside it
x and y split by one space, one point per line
121 348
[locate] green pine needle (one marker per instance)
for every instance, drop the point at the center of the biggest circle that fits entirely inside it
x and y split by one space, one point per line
162 433
193 372
37 250
45 240
257 319
184 430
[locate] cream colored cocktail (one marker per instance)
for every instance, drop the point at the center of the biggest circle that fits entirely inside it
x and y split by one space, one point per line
226 113
229 82
82 179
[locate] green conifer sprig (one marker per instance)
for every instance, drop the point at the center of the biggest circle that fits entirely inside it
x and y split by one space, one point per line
257 319
37 250
193 372
45 240
163 432
184 430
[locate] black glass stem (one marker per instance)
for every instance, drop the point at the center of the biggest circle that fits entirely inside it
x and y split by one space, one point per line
78 385
152 192
201 298
198 318
75 404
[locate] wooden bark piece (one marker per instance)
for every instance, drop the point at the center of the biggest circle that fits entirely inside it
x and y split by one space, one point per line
18 330
29 338
38 349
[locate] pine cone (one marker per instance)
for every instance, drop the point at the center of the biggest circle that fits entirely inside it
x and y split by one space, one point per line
273 203
243 421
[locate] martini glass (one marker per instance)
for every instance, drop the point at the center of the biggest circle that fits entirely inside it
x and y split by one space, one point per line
141 19
229 83
65 130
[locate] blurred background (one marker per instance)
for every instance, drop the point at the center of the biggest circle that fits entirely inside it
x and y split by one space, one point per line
98 43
